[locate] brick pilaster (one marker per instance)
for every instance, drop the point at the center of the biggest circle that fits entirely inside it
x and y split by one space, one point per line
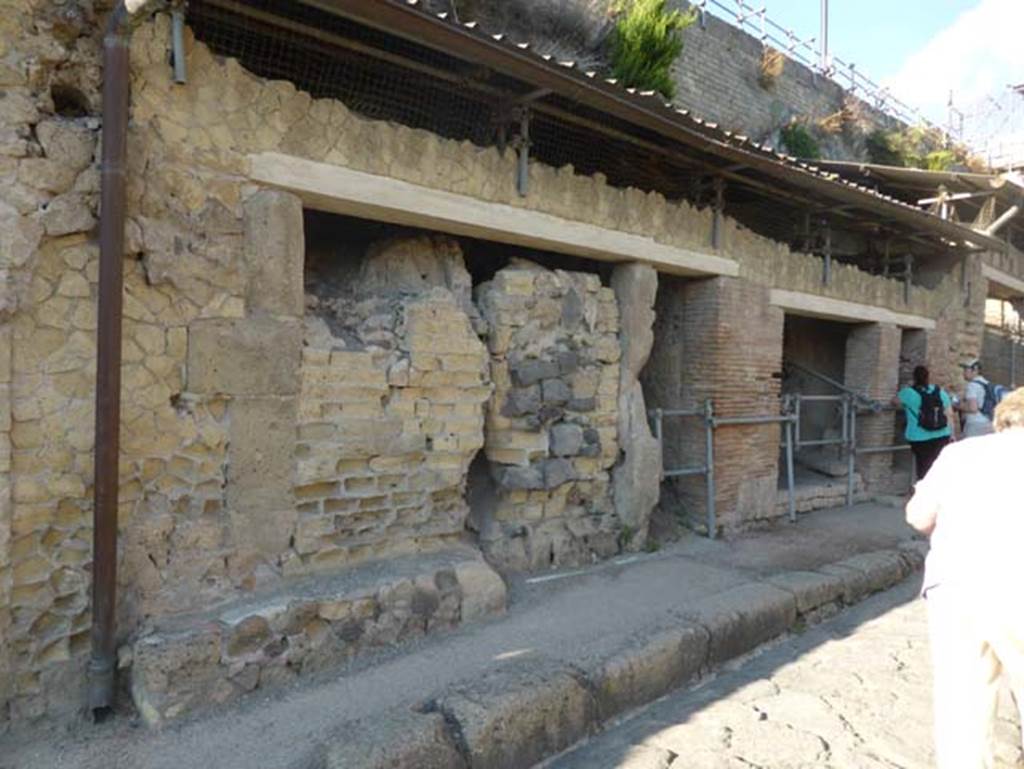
726 342
872 369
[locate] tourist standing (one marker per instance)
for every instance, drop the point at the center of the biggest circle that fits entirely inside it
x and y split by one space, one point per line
929 411
977 405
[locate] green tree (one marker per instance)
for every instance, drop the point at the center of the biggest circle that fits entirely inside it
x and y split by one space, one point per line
645 43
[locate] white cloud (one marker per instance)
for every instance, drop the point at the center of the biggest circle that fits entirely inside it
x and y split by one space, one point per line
975 56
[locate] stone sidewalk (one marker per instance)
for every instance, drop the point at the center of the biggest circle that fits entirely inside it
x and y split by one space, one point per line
574 651
852 692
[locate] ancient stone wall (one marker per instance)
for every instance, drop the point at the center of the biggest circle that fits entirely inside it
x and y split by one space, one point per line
719 339
47 197
636 478
551 425
872 369
390 411
718 76
1003 364
211 465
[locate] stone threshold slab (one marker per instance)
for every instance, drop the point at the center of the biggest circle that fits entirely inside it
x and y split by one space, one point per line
190 663
533 707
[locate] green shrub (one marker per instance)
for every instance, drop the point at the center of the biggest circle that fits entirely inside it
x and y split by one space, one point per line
880 149
940 160
913 147
799 142
645 42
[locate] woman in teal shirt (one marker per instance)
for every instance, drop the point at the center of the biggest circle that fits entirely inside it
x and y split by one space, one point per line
929 411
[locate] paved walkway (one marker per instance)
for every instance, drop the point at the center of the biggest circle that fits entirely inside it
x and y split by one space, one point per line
852 693
568 619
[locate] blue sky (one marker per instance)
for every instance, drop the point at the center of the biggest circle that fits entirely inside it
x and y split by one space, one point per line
922 49
877 35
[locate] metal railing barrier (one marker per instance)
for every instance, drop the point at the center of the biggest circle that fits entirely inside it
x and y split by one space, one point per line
850 404
712 423
707 416
858 450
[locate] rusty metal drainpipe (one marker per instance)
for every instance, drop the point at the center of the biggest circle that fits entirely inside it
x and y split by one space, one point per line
102 662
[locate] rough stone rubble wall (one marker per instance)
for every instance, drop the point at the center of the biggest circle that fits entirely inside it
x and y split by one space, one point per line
551 425
47 197
387 430
202 305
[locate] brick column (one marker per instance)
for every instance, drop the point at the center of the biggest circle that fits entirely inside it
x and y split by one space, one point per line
732 353
872 369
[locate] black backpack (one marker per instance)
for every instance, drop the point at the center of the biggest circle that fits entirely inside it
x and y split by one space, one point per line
932 414
988 407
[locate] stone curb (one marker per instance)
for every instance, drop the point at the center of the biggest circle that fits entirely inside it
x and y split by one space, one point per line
526 710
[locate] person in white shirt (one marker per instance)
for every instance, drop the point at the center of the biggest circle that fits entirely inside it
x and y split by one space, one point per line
973 577
975 421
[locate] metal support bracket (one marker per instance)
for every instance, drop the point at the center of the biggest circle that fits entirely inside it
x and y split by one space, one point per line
521 143
826 276
908 274
965 283
718 220
178 44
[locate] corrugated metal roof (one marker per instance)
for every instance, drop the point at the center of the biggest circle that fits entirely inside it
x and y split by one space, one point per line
921 179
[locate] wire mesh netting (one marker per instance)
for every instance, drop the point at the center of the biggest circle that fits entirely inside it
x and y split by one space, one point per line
387 77
379 77
384 77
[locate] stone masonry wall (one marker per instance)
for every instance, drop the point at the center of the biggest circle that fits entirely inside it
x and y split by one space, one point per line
1002 365
390 408
717 78
872 369
551 424
731 342
47 197
212 281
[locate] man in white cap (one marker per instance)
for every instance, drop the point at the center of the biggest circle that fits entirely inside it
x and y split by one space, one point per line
978 401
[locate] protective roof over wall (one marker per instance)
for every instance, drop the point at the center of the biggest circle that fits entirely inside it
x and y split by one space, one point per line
968 197
391 59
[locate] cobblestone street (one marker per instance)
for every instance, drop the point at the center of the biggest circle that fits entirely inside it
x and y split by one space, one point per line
851 693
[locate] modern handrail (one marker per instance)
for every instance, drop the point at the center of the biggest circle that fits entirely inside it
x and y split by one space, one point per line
869 402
